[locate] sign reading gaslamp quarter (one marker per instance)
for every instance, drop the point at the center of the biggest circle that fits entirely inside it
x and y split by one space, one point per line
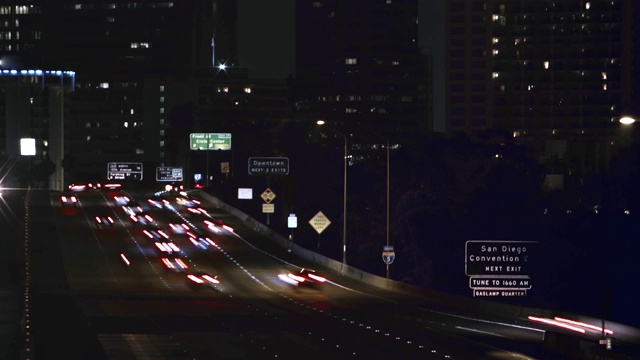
499 268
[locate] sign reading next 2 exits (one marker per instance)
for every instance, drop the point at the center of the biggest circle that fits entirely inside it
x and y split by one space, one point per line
210 141
268 166
499 268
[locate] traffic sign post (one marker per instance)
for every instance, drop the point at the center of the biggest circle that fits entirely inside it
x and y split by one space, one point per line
292 223
169 173
388 256
210 141
268 197
124 171
319 222
268 166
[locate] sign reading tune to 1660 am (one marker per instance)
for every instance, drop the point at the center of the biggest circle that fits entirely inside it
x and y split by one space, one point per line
499 268
210 141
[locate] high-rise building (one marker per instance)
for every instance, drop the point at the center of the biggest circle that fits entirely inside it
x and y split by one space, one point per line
137 65
554 74
358 63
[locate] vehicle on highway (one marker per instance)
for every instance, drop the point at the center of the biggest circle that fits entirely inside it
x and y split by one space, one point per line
132 208
68 199
199 240
174 262
178 228
216 225
168 247
142 218
121 199
104 221
155 233
200 280
303 278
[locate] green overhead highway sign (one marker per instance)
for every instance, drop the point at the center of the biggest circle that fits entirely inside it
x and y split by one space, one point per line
210 141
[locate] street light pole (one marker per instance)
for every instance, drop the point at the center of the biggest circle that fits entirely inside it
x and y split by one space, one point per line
344 193
388 170
344 206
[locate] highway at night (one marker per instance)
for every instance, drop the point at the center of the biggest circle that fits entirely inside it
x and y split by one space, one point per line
103 291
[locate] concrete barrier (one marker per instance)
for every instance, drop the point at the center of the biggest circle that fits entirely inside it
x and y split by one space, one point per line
626 333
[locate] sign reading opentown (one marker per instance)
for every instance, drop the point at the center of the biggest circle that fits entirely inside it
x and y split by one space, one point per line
499 268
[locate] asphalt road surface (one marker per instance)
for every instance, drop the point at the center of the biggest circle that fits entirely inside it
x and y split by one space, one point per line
104 292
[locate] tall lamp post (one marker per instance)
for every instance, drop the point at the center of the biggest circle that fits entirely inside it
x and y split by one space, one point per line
344 194
388 186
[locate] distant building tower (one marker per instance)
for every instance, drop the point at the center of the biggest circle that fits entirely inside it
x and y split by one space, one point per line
553 74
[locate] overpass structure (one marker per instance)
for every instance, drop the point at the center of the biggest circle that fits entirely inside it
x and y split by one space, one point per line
594 337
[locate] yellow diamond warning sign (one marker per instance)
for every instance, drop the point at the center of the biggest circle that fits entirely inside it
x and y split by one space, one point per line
319 222
268 196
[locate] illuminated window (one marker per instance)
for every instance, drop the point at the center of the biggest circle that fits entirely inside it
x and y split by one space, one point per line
350 110
501 87
247 90
546 64
494 40
161 142
395 63
604 75
161 110
161 132
111 19
161 99
126 124
495 51
495 17
162 121
145 45
139 151
161 88
604 87
5 10
351 61
529 87
131 111
587 5
88 138
495 75
134 45
104 85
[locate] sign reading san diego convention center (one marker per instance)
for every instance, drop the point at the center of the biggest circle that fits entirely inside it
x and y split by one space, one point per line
499 268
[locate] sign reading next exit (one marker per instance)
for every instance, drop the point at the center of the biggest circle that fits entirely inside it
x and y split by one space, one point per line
210 141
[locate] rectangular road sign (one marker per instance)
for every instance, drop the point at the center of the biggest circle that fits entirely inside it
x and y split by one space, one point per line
210 141
268 208
124 171
268 166
169 173
498 258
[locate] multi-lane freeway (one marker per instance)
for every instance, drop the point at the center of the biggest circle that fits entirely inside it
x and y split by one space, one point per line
120 289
